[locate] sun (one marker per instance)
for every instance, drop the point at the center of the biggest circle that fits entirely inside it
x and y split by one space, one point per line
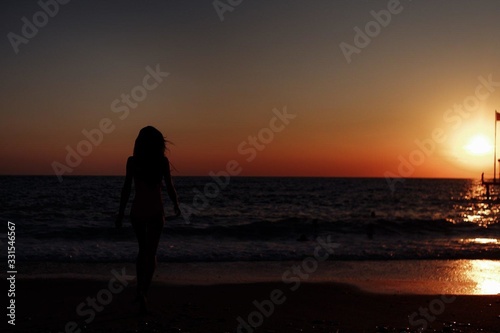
471 147
479 145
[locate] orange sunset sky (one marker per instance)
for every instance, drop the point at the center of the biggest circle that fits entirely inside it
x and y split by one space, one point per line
413 78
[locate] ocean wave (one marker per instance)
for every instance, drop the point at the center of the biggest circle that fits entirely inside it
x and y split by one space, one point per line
214 250
283 228
258 219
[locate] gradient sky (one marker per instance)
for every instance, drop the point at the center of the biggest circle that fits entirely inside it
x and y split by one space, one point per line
352 119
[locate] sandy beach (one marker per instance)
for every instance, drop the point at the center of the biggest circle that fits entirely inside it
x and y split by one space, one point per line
63 304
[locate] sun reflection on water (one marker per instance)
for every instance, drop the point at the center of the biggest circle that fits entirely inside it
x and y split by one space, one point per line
480 241
485 274
472 206
482 276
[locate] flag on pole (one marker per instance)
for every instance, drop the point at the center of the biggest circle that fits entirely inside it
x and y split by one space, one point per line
497 118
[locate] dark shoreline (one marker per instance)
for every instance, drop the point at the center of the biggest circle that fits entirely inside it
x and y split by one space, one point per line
47 305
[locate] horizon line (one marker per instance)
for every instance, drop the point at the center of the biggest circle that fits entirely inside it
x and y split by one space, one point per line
239 176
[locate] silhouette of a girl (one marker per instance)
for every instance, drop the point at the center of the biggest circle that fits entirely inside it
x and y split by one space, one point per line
147 168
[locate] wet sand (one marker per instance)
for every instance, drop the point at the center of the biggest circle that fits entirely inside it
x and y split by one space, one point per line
424 277
51 304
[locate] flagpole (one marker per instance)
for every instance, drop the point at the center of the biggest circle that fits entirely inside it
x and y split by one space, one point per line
495 153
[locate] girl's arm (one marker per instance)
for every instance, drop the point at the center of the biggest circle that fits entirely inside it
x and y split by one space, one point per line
125 193
170 187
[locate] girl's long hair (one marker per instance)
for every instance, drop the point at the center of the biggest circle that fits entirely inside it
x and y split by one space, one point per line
149 155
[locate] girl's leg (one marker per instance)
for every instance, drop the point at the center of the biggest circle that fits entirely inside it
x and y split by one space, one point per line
154 230
140 229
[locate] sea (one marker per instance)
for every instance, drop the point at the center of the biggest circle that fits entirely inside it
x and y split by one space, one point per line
246 219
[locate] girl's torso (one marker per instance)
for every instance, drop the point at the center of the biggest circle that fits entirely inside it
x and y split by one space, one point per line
147 201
